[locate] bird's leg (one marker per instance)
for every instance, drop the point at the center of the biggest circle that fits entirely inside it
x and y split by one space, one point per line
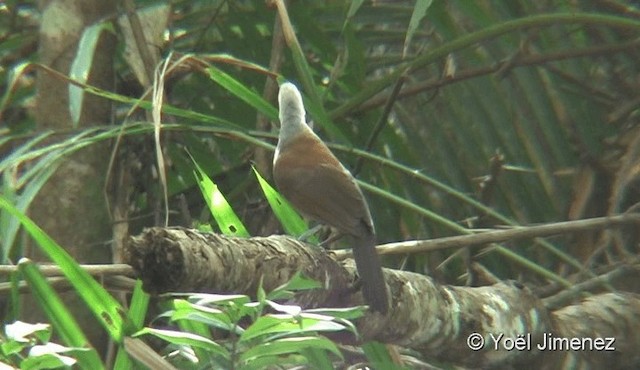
336 235
309 233
316 230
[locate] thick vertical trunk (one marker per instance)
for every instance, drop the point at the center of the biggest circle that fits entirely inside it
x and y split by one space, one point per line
71 207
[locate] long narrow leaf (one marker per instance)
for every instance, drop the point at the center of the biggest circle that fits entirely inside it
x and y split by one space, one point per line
227 220
82 65
136 315
60 317
419 11
244 93
290 346
186 339
314 105
194 326
378 355
106 308
291 221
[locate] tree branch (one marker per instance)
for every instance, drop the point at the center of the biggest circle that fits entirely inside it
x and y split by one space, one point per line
436 320
498 236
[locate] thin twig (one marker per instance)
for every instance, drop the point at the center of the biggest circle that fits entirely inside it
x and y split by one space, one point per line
94 270
523 61
270 91
384 117
569 294
62 284
497 236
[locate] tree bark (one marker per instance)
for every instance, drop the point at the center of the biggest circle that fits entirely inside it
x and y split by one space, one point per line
70 207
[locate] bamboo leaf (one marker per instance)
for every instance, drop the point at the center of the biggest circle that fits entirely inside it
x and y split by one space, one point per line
105 308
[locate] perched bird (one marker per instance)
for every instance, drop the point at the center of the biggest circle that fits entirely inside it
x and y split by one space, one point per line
321 188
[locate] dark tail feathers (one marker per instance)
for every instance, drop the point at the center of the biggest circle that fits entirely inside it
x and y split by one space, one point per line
374 289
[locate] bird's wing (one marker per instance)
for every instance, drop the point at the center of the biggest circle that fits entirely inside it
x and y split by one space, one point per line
328 194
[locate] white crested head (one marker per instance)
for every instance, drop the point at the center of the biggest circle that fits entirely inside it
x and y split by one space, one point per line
290 102
292 113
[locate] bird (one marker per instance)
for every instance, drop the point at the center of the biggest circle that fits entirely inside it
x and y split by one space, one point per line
314 181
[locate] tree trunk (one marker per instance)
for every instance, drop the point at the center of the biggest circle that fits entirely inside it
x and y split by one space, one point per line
71 205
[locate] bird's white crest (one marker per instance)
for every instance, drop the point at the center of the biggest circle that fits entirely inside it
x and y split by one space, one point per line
291 105
292 114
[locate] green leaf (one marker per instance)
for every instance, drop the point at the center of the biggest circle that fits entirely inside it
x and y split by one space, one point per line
227 220
348 313
378 356
199 320
268 362
82 64
138 306
314 104
319 357
186 339
236 307
219 299
166 108
291 221
212 317
11 347
61 319
419 12
261 295
286 346
244 93
354 6
198 328
297 283
9 226
12 84
291 325
47 361
136 315
107 309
